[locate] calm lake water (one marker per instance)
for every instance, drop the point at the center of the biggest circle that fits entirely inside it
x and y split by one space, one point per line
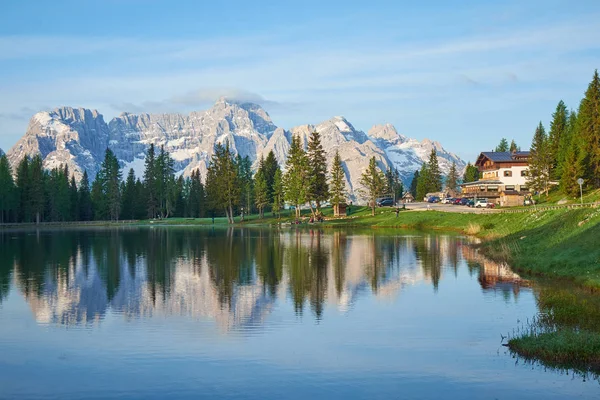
177 312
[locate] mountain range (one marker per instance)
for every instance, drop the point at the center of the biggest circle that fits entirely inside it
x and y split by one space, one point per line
79 137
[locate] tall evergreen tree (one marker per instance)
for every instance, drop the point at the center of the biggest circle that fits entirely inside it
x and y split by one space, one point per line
452 179
423 182
373 181
74 200
296 180
270 168
434 182
471 173
278 194
337 184
538 173
502 146
36 192
513 146
261 196
106 190
413 184
150 182
222 181
85 200
571 172
23 183
558 130
317 168
588 121
246 181
129 197
8 191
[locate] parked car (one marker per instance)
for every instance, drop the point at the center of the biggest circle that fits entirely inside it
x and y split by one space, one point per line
447 200
433 199
471 203
491 205
481 203
457 201
464 201
385 202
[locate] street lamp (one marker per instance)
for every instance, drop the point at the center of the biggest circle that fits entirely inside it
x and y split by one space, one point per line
580 181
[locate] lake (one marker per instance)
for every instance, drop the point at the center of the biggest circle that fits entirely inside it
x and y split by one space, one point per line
188 312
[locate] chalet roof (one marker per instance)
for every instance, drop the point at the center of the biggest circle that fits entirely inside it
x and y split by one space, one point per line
502 156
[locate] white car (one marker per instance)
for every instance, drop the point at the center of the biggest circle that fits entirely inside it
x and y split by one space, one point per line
446 200
481 203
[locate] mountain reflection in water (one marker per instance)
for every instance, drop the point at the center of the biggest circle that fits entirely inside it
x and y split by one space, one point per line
231 276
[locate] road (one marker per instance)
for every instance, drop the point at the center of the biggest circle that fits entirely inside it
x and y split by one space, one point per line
447 208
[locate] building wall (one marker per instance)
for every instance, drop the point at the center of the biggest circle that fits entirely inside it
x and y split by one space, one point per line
515 179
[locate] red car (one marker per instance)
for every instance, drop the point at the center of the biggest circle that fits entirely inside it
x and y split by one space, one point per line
457 201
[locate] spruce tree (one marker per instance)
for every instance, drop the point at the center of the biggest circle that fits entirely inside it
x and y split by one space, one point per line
85 201
129 196
434 182
422 182
222 181
295 179
261 196
471 173
538 173
502 146
513 146
317 166
452 179
271 166
150 182
74 200
337 193
23 183
8 191
278 194
413 184
588 121
571 172
558 130
37 193
373 182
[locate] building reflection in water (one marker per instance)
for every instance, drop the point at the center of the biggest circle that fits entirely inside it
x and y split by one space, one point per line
232 276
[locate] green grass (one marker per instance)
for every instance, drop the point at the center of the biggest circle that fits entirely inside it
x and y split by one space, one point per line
565 348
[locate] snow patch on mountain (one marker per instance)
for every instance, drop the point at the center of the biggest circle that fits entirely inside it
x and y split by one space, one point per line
79 137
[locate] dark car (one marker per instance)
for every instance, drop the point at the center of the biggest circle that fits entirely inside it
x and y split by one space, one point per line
385 202
457 201
471 203
464 201
433 199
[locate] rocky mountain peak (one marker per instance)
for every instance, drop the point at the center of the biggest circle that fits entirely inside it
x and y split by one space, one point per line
386 133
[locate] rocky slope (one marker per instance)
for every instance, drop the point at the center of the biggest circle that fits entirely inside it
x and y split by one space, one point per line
79 137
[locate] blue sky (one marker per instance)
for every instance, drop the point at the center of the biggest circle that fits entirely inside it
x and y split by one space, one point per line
465 74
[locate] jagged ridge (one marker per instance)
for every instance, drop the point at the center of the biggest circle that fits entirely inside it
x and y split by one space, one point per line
78 137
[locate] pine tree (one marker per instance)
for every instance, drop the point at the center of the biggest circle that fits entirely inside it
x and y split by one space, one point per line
278 194
373 182
571 172
222 181
8 191
271 166
106 189
150 182
261 196
295 180
538 173
244 166
36 192
337 191
558 130
452 179
502 146
434 182
471 173
129 196
317 168
513 146
588 121
423 182
74 200
23 183
85 201
413 184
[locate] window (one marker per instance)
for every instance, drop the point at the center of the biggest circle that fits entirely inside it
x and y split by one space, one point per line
509 187
524 172
524 189
507 173
492 188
